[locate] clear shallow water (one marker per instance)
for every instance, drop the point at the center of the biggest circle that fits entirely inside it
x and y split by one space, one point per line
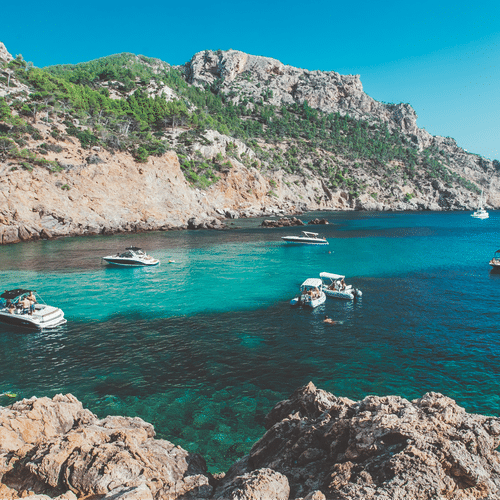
205 346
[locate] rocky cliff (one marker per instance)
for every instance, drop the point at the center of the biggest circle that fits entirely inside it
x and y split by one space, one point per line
317 447
68 167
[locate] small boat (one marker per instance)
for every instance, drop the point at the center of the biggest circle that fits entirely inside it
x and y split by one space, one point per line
495 261
306 238
19 307
310 295
132 257
480 213
334 286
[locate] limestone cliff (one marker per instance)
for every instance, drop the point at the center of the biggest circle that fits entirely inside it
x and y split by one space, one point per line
53 184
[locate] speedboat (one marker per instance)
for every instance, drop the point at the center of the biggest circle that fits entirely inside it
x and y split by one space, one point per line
306 238
310 295
19 307
334 286
132 257
495 261
480 213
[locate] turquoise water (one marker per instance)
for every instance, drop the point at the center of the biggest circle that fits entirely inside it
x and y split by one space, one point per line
205 346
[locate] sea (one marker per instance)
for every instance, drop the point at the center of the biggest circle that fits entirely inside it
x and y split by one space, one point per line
204 345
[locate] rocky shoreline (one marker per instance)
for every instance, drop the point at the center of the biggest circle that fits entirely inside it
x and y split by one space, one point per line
317 447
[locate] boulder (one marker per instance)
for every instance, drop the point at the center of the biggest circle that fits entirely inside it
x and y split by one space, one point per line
262 484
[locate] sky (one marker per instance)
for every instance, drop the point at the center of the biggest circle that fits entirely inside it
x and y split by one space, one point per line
442 57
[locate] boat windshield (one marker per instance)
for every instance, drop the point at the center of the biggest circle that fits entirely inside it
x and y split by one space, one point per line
127 255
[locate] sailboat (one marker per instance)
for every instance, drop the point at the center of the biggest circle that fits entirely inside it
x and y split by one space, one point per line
480 213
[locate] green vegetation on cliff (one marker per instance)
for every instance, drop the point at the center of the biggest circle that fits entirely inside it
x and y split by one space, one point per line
119 102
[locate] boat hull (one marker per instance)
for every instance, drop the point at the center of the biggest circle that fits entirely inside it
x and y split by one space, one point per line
44 318
348 294
307 301
303 241
130 262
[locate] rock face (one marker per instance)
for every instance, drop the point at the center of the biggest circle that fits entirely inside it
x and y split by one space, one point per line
55 446
279 84
4 54
317 447
377 448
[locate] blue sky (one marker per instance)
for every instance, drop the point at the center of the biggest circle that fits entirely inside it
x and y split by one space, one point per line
442 57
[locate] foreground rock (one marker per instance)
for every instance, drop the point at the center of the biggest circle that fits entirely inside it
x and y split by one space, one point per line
317 447
377 448
54 447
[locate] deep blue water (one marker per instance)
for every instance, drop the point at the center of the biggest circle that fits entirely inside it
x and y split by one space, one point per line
204 347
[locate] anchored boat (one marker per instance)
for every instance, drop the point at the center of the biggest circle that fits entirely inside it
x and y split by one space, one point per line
306 238
20 307
334 286
310 295
132 257
495 261
480 213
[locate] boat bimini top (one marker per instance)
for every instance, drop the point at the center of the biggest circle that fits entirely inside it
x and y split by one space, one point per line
15 295
333 277
311 283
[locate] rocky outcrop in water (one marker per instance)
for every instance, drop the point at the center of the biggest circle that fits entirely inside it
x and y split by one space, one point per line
317 447
282 222
320 222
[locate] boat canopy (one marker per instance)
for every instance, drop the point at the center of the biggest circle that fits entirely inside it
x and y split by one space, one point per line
309 234
331 276
135 249
13 294
312 283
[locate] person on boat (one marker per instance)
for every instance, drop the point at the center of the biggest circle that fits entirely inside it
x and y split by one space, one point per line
31 297
26 304
342 284
11 307
328 320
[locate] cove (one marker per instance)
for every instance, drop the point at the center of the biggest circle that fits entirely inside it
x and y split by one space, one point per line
205 346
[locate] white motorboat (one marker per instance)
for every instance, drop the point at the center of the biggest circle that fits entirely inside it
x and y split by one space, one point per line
306 238
334 286
132 257
310 295
20 307
480 213
495 261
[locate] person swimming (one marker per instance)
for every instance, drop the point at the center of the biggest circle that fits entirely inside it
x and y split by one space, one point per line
328 320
